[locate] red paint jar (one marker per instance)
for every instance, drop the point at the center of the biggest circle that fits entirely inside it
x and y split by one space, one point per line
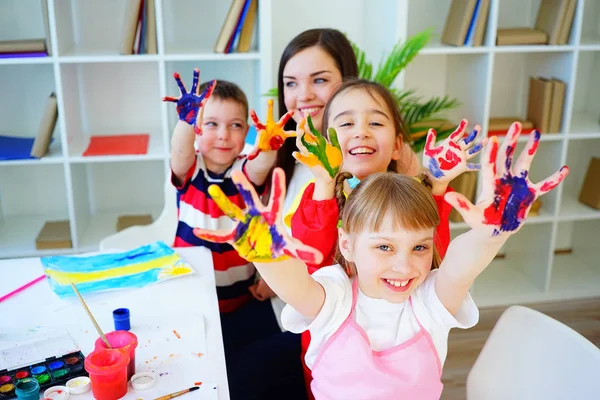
124 340
108 373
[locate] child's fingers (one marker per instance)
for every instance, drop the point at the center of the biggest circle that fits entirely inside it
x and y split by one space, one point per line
207 92
311 127
220 236
488 168
285 118
332 134
476 149
303 252
172 99
526 157
229 208
309 160
247 191
459 131
195 88
270 119
551 182
182 88
429 149
508 149
471 137
460 203
289 134
275 205
259 125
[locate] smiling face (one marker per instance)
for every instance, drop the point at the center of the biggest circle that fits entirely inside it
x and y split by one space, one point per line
365 130
390 262
224 128
309 79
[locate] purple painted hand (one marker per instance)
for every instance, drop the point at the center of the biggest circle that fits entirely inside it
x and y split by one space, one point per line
189 104
507 194
449 159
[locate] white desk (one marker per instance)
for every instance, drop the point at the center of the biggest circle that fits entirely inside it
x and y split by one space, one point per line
187 305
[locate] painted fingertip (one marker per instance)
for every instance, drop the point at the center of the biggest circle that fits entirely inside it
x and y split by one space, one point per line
475 149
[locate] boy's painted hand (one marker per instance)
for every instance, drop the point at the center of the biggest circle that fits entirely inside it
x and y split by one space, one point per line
259 234
448 160
270 136
323 157
507 194
189 104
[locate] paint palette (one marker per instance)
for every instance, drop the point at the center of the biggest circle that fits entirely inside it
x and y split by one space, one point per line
51 372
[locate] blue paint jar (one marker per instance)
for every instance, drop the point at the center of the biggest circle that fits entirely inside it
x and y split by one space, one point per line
27 389
121 318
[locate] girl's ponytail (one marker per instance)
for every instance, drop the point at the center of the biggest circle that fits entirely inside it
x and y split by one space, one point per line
339 189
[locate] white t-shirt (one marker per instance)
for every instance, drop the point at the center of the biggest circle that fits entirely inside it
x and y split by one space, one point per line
386 324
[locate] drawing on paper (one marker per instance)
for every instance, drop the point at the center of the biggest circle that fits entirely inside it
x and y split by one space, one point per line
144 265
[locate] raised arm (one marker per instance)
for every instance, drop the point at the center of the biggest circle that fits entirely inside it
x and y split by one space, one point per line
189 107
270 137
502 208
259 236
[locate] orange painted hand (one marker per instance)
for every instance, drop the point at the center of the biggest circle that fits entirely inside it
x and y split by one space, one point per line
259 235
270 136
316 152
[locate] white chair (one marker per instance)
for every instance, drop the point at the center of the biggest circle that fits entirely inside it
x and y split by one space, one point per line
529 355
163 228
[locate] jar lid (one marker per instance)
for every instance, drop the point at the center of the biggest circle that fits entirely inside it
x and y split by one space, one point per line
79 385
143 380
57 393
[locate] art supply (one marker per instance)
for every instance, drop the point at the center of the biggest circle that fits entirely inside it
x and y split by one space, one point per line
27 389
143 380
121 318
144 265
79 385
122 340
54 371
91 316
20 289
108 373
170 396
57 393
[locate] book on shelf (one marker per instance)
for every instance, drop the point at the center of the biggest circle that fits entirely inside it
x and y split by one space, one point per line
545 103
520 36
23 55
46 26
117 145
550 18
458 21
498 126
590 190
23 46
567 23
46 128
15 147
139 31
151 46
481 23
231 31
54 235
248 28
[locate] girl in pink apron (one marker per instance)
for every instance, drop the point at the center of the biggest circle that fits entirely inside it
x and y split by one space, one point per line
379 320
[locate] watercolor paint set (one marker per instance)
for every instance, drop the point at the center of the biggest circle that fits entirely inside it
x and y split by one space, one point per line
51 372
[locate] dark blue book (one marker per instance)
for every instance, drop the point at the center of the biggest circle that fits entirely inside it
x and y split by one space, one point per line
15 147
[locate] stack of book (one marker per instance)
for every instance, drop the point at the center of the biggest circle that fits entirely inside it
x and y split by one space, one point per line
236 32
498 126
466 23
552 26
139 33
23 48
545 103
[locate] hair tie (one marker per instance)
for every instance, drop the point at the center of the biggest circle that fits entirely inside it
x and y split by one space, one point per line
353 182
416 178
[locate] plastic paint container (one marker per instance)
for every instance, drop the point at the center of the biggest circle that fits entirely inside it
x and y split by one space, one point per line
27 389
121 340
79 385
57 393
121 318
108 373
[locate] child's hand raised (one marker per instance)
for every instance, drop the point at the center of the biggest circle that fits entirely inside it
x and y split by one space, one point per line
270 136
189 104
324 158
448 160
507 194
259 234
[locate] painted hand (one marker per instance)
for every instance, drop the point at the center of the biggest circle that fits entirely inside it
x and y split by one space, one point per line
189 104
270 136
323 157
449 159
507 194
259 234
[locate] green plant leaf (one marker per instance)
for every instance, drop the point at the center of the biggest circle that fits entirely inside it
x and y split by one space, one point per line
365 68
416 112
273 92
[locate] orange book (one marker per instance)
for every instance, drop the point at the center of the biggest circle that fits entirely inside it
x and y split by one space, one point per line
118 145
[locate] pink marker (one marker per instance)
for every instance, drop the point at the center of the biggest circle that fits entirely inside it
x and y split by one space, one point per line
20 289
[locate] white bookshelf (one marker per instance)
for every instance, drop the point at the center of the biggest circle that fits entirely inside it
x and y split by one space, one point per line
102 92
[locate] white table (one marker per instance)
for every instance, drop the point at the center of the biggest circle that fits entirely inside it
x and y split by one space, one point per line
187 305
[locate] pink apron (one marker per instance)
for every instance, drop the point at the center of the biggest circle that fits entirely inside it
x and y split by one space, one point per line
347 368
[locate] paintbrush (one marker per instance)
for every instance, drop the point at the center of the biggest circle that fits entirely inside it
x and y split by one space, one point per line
91 317
170 396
